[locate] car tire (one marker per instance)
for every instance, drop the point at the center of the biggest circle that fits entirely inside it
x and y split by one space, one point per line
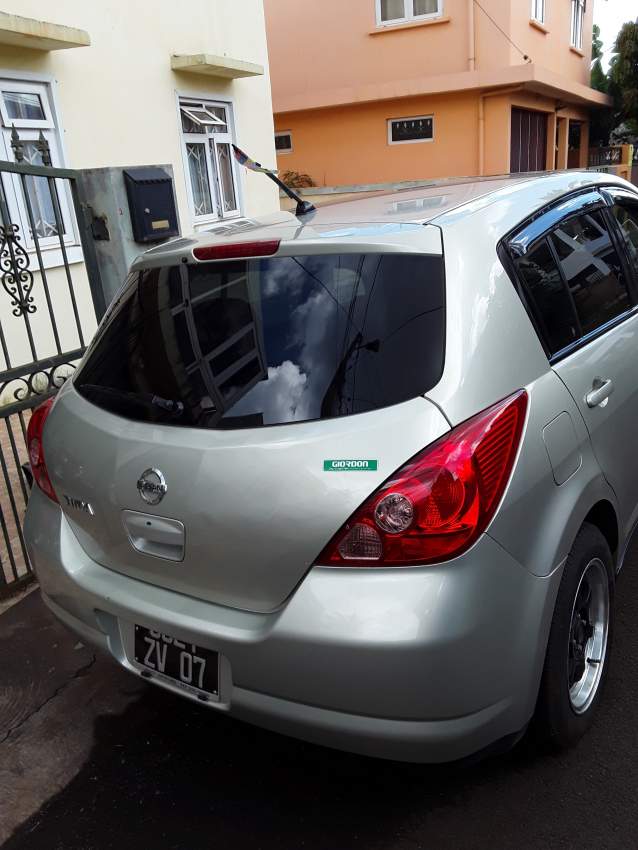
581 629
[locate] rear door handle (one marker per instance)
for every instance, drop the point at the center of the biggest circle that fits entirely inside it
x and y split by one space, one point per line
602 388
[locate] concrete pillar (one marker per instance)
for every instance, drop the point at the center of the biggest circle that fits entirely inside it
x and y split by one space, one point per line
583 160
563 136
551 142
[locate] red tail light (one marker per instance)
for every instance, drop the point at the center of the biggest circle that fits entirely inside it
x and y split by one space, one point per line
36 452
434 508
237 251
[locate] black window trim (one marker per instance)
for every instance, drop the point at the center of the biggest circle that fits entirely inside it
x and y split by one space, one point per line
619 196
527 234
559 266
531 231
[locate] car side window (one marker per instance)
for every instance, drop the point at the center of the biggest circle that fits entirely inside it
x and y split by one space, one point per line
627 218
592 269
548 297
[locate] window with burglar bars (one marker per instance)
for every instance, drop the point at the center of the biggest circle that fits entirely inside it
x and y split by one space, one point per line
578 14
538 11
404 11
407 130
26 108
283 142
209 161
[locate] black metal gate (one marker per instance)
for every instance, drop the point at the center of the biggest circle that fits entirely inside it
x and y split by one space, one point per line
42 219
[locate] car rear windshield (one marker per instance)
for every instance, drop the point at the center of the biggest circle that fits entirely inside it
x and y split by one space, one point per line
240 344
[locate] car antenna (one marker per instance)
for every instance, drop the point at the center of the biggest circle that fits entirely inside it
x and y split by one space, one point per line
303 207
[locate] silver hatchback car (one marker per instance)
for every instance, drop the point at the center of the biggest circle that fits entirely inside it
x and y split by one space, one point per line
364 477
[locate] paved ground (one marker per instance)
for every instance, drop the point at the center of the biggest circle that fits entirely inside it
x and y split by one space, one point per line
91 759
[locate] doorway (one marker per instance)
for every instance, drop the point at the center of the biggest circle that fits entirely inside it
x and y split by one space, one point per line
573 144
528 145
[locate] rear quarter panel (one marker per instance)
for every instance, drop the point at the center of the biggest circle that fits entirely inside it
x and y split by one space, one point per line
538 519
492 350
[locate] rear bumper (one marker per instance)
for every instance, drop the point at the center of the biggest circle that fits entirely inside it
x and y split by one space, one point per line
427 664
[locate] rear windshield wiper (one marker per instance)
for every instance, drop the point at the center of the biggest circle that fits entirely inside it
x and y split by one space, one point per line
168 405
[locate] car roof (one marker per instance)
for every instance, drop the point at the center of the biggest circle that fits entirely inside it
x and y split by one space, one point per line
384 217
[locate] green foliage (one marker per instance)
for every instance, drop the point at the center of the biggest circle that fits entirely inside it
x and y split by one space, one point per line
596 45
602 121
599 79
623 76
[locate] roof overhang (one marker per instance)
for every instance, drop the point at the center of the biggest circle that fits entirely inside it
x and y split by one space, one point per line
530 76
215 66
17 31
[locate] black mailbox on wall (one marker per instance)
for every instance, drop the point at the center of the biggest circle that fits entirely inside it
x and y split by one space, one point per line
151 203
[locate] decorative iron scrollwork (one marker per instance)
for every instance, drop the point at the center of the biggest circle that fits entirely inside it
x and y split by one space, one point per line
17 145
39 383
15 275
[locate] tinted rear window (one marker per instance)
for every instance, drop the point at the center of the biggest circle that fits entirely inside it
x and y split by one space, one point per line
265 342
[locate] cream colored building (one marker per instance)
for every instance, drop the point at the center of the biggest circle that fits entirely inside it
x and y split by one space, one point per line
120 83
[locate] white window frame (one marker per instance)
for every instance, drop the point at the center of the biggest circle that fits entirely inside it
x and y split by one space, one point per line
29 131
211 121
208 139
392 121
538 11
278 135
576 24
7 85
408 14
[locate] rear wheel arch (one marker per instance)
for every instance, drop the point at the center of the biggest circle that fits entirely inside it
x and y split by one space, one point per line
603 516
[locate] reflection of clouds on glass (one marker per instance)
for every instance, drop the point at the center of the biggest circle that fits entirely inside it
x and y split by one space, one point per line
280 397
275 278
311 326
307 357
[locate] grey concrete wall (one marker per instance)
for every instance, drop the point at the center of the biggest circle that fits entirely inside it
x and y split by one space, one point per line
105 193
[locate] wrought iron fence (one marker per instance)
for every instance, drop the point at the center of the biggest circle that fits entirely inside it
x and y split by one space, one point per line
605 156
45 303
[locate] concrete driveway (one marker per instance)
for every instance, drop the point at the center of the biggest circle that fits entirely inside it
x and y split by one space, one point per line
91 758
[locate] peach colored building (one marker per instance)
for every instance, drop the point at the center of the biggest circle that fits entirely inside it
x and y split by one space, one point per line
374 91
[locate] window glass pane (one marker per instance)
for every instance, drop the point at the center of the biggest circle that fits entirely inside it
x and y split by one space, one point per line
276 340
200 115
196 153
190 126
628 221
592 269
391 10
425 7
23 105
218 112
578 11
283 142
548 297
200 119
412 129
40 195
538 10
226 176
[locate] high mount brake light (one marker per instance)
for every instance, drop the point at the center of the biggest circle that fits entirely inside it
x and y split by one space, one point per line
435 506
237 251
36 452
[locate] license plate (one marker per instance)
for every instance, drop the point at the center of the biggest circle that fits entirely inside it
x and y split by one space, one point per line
191 667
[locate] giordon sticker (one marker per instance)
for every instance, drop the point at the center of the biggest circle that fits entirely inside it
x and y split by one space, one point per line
346 465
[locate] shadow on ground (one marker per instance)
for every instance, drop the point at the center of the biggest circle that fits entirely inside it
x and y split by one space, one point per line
169 774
